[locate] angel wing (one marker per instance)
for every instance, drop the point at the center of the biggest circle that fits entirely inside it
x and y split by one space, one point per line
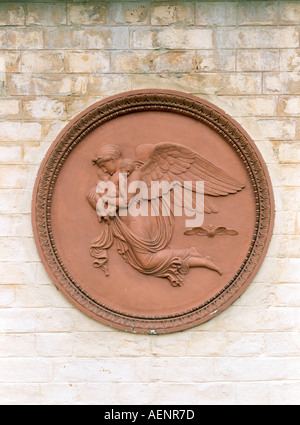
173 162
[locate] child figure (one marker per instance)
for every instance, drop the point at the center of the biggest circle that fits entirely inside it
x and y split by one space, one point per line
126 167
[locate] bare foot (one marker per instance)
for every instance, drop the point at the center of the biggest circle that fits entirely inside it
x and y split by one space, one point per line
212 266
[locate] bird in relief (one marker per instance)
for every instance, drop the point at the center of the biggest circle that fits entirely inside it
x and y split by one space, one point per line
210 231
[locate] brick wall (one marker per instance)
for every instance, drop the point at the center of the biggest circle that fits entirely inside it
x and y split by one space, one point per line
59 57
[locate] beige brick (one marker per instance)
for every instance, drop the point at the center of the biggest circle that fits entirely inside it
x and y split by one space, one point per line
281 83
21 38
288 295
19 131
287 393
108 84
249 106
12 177
289 152
42 61
147 393
46 84
289 60
15 225
24 393
143 38
291 271
89 61
39 296
268 149
10 153
24 345
137 13
59 37
44 108
164 347
221 14
207 393
269 129
52 129
85 343
40 371
260 293
108 369
198 345
153 61
257 37
81 322
14 201
9 108
62 393
257 60
171 369
266 276
245 344
12 14
166 14
289 12
42 277
279 343
261 320
131 61
287 198
36 320
174 61
46 14
177 38
285 223
209 83
252 393
289 105
286 175
88 14
228 83
54 345
87 38
75 105
257 13
9 62
34 152
215 60
161 81
109 38
177 393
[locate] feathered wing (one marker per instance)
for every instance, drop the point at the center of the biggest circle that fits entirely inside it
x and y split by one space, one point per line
173 162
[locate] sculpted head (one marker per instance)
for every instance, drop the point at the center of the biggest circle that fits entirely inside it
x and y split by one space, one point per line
108 158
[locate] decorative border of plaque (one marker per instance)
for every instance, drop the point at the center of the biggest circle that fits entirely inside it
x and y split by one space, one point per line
152 100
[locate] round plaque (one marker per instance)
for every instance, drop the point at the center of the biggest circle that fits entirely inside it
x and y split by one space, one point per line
152 211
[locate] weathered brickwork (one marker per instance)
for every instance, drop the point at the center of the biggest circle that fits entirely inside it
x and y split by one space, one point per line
56 59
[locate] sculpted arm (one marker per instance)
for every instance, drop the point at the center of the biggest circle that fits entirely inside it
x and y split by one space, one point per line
93 197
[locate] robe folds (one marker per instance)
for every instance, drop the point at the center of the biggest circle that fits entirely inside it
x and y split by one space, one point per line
143 243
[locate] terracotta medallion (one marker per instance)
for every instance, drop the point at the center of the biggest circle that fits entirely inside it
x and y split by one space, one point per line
152 211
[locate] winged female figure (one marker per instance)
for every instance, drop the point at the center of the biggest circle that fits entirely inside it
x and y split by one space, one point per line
143 241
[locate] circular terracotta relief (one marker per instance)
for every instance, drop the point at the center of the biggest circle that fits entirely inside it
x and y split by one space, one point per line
152 211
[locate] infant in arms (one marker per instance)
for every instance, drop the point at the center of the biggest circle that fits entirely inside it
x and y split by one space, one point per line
107 205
